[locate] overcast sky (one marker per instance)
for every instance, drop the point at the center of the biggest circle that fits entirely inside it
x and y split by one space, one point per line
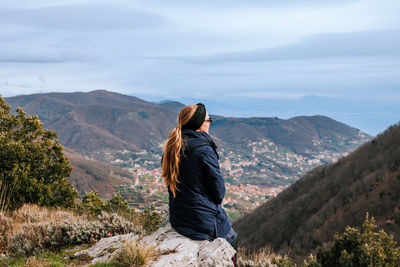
338 58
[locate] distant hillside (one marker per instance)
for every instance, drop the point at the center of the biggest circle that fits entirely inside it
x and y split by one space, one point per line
107 121
129 132
113 120
303 135
99 120
89 174
172 105
330 197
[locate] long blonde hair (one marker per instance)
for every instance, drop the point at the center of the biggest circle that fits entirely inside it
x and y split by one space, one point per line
174 147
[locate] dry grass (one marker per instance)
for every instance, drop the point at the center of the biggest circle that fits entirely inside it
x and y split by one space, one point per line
32 229
135 254
33 221
6 223
260 257
23 218
30 213
165 252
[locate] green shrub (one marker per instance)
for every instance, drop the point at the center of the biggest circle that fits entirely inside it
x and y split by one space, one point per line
35 237
284 261
361 247
32 165
32 228
91 204
150 219
118 205
311 262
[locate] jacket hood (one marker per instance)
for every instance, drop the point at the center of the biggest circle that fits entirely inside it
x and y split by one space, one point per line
194 139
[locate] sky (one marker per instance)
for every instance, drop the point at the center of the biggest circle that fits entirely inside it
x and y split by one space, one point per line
264 58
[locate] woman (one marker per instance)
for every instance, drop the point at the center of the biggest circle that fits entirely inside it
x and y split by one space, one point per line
191 172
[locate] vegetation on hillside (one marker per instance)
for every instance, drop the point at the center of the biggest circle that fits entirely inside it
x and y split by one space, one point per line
361 247
330 197
356 247
92 206
88 174
33 168
33 229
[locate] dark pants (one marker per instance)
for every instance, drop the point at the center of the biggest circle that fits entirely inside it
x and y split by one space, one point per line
233 241
231 236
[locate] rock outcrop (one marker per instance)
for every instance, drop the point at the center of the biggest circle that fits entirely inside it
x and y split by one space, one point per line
179 250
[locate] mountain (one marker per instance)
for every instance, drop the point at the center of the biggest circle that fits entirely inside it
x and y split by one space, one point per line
89 174
128 132
172 105
328 198
302 135
107 121
99 120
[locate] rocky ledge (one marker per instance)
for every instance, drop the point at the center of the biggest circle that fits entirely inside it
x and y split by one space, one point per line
179 250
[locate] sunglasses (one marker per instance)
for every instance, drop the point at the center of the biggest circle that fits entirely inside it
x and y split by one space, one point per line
209 120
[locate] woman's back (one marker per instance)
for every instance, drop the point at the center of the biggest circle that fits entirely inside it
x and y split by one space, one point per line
197 204
195 184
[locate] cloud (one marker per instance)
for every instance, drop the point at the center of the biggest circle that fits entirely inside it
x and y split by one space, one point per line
72 33
42 49
30 59
239 3
319 46
81 18
263 50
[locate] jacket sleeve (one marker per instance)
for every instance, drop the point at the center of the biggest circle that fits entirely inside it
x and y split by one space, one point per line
212 175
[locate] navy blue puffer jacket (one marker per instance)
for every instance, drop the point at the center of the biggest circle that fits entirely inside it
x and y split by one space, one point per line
196 210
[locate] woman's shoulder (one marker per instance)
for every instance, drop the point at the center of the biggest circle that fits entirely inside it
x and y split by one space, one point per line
199 144
195 139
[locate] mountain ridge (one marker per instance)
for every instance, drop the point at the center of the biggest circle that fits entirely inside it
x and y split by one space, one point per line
328 198
129 132
57 110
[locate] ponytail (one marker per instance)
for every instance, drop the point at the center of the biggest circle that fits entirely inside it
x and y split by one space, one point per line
174 148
